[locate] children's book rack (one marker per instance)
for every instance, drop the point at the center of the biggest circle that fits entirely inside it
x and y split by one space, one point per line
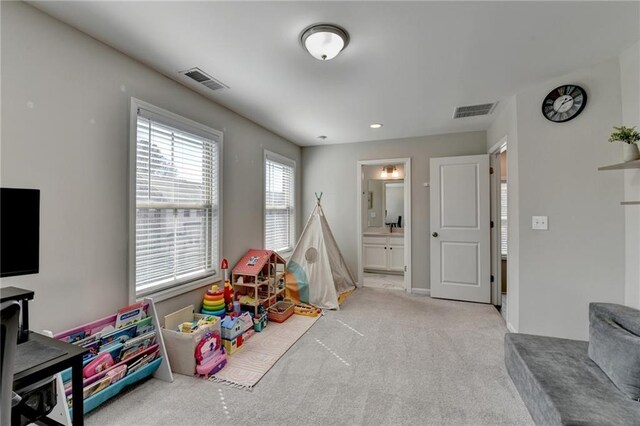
146 359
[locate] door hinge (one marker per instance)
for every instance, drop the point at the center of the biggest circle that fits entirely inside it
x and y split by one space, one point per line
492 278
405 268
490 170
492 224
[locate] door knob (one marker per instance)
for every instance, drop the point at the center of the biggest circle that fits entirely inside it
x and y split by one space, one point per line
435 234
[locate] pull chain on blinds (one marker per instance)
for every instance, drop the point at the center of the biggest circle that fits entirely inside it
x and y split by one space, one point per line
176 204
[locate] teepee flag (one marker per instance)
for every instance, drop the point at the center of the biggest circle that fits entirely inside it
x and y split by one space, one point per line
316 272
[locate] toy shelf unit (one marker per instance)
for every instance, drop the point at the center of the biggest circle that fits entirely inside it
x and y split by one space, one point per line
259 279
628 165
124 348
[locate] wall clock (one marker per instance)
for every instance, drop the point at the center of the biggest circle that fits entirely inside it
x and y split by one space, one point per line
564 103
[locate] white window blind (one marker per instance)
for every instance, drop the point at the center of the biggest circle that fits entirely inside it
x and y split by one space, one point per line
279 209
503 218
177 202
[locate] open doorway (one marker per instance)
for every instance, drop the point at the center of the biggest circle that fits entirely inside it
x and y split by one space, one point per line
500 226
384 236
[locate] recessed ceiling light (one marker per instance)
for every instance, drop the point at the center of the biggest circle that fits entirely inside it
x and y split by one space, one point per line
324 41
323 137
375 125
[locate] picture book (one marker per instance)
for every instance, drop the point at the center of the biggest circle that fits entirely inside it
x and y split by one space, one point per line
142 361
129 315
144 326
137 344
121 335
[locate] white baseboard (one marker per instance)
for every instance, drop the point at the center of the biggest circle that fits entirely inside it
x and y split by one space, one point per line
511 328
421 291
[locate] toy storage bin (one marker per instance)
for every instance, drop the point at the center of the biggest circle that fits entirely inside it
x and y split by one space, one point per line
181 347
280 311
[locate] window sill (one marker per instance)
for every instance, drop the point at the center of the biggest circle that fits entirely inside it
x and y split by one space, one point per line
169 293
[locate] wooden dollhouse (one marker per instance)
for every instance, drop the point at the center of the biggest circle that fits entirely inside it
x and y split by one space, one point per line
259 279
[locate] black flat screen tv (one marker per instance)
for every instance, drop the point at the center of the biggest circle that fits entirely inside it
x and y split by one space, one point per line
19 231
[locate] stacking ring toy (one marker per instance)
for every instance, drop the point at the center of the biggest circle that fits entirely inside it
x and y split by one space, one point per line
216 313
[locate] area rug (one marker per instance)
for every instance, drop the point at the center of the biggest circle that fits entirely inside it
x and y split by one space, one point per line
257 355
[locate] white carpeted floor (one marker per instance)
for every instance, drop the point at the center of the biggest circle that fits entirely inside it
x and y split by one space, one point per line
385 358
381 280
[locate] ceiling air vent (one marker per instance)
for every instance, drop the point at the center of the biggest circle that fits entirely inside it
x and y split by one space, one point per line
473 110
199 76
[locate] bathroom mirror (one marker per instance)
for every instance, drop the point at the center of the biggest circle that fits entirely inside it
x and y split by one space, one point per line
385 203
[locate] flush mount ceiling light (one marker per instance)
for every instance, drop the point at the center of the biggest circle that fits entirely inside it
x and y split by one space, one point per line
324 41
375 125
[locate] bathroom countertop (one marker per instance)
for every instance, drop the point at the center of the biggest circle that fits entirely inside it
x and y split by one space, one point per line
383 234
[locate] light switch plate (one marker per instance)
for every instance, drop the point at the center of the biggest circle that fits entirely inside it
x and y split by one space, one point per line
372 214
540 223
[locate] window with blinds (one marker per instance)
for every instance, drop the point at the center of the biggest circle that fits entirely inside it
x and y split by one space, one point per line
279 203
176 199
503 218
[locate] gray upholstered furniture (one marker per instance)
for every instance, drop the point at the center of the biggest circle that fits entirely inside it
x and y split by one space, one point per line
561 385
614 344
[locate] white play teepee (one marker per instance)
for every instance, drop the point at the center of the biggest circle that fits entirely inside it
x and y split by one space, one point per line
316 272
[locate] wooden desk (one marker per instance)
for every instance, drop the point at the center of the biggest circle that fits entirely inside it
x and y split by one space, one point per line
72 358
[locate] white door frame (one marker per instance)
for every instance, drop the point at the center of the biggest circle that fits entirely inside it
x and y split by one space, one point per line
406 162
496 232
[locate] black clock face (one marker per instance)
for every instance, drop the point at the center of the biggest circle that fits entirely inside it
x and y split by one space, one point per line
564 103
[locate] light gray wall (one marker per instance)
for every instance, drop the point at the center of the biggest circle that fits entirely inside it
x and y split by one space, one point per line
581 258
505 127
65 112
332 170
630 90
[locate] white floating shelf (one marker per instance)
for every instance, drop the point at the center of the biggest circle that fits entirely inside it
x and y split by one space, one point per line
622 166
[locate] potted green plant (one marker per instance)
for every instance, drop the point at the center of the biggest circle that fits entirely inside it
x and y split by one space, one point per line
629 136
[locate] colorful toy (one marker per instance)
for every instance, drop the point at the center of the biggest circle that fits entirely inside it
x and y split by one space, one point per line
246 300
232 345
234 326
228 288
210 355
213 364
213 302
247 334
192 327
210 343
306 309
259 279
260 320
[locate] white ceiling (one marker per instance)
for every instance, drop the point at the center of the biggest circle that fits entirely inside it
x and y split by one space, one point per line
408 65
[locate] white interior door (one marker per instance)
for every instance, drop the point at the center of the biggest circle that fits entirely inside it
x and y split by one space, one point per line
460 228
